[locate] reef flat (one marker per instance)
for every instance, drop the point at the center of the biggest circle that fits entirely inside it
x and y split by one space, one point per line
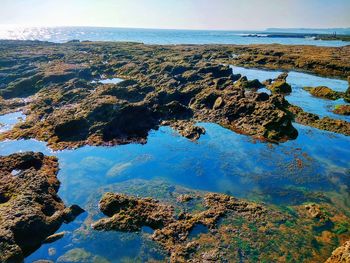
57 86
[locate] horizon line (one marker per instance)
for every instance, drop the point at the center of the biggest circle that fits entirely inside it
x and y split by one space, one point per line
183 29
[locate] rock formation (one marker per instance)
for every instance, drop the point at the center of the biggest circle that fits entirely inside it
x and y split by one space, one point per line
30 209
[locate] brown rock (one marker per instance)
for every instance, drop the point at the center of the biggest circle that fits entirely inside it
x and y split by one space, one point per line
341 254
30 209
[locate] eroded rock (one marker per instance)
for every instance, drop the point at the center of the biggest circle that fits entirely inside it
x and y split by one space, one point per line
161 84
324 92
30 209
127 213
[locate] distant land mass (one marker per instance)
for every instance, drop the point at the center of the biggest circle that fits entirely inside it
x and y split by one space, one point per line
340 31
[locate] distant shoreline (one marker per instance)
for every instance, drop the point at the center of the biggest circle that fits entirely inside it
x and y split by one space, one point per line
300 35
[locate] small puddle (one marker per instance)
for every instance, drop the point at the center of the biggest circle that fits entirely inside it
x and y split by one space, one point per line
108 81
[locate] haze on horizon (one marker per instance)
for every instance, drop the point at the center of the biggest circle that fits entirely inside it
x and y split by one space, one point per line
178 14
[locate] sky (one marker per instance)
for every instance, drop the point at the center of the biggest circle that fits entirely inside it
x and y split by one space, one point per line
178 14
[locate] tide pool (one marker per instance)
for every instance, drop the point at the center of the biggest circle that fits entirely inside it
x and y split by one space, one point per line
299 96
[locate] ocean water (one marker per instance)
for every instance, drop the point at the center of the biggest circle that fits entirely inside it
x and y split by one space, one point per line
151 36
299 96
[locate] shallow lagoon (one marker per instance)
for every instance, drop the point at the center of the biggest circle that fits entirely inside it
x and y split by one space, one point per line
299 96
221 161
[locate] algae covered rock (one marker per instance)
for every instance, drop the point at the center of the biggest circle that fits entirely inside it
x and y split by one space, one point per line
342 109
30 209
280 85
172 230
80 255
323 92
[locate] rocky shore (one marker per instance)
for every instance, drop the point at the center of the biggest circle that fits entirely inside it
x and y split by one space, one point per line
58 87
30 209
162 84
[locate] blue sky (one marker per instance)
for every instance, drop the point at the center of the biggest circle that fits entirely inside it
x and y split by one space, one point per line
185 14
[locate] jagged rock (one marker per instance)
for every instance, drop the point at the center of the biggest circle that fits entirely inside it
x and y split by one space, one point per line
280 85
323 92
244 83
310 119
30 209
162 84
143 212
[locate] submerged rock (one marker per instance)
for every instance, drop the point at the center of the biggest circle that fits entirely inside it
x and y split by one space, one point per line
186 129
127 213
80 255
30 209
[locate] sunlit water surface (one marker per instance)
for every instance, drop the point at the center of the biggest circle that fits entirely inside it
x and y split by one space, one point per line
151 36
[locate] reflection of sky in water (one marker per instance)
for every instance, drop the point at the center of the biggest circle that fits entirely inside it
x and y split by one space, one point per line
108 81
299 96
221 161
9 120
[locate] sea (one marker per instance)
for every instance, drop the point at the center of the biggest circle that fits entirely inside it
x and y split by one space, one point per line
156 36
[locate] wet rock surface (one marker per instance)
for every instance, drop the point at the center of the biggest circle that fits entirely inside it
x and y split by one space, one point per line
30 209
186 129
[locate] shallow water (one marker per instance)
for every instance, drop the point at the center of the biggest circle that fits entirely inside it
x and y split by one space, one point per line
221 161
291 173
151 36
109 81
9 120
299 96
